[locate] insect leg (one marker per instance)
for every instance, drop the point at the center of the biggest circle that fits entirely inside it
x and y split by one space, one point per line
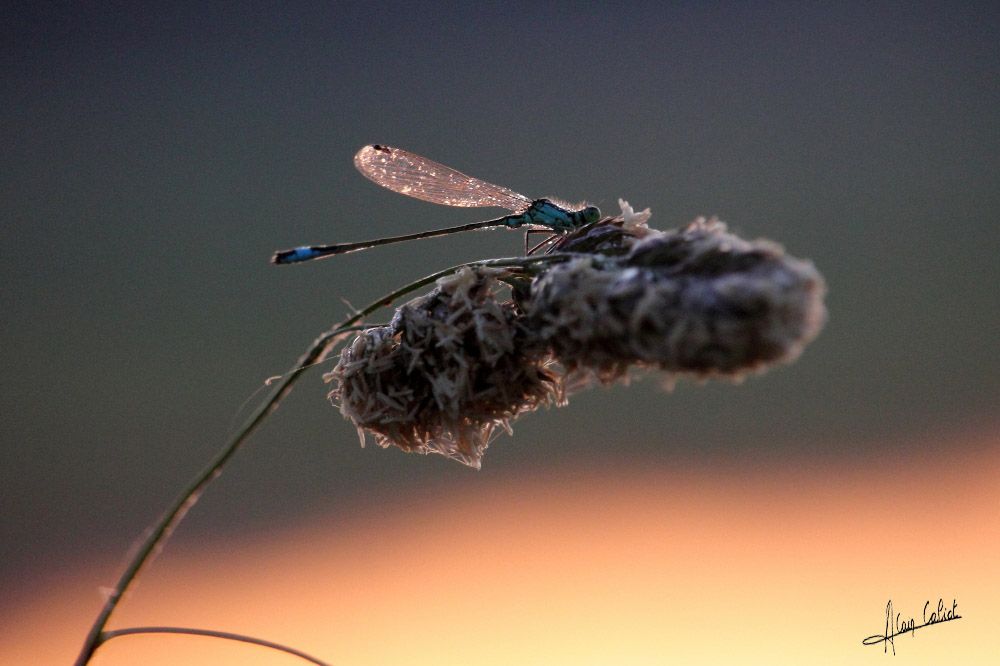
527 235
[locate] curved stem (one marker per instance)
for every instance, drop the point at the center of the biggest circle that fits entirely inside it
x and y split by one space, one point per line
162 529
132 631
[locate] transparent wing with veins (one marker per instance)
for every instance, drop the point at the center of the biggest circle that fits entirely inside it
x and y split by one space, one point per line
421 178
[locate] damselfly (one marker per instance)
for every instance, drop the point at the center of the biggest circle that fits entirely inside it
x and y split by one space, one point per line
421 178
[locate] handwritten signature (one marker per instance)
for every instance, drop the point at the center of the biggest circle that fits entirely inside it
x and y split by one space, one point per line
897 625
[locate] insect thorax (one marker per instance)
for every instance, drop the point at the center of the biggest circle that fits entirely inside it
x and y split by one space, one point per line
545 213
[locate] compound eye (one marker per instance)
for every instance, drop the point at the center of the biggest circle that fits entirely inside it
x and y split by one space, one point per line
591 214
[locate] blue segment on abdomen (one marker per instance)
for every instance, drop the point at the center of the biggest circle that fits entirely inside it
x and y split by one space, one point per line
514 221
304 253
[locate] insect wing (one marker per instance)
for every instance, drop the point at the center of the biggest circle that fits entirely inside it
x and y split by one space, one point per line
415 176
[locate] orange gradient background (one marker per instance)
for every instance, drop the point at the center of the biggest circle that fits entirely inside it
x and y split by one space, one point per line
576 566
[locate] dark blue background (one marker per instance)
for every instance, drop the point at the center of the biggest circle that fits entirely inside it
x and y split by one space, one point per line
153 158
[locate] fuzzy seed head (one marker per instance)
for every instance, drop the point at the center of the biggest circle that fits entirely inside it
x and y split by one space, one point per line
451 367
699 301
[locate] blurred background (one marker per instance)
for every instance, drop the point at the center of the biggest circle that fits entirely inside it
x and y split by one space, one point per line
154 158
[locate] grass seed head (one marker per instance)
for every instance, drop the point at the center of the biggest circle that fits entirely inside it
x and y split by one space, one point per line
699 301
451 367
